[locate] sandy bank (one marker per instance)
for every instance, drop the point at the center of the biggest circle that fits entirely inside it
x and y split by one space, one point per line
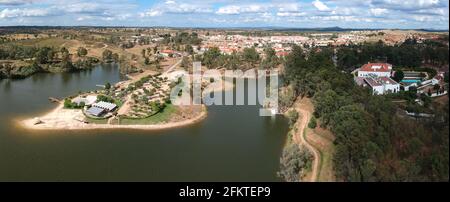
68 119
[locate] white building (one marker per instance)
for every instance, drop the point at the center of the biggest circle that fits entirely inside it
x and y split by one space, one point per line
382 85
88 100
375 70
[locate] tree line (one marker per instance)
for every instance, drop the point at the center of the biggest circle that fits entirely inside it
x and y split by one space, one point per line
248 58
408 54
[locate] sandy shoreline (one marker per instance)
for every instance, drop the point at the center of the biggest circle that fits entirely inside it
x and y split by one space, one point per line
69 119
65 119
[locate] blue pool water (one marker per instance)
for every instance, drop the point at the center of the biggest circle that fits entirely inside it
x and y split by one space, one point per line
410 81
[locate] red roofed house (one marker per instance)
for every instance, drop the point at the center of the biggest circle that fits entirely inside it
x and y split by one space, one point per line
375 70
282 53
377 77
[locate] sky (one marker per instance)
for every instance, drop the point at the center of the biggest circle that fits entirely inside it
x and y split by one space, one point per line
402 14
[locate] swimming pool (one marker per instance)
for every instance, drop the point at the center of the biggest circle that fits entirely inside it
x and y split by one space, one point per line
411 81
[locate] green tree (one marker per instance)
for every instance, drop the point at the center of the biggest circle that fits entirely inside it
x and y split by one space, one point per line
189 49
107 55
270 60
211 56
250 55
292 116
399 75
81 52
294 163
312 122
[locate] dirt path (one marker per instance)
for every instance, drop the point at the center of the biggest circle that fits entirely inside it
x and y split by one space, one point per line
299 138
172 67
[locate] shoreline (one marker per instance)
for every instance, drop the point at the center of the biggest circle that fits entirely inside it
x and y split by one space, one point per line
64 119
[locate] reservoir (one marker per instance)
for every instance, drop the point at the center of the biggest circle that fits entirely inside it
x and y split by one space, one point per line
232 144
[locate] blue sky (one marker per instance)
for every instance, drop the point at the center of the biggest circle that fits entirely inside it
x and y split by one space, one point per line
429 14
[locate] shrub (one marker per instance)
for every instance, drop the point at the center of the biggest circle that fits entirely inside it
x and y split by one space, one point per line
293 117
312 122
294 162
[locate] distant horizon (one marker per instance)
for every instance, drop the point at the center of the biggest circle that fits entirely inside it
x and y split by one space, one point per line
269 28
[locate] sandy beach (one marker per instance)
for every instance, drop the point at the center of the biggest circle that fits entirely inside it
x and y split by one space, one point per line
68 119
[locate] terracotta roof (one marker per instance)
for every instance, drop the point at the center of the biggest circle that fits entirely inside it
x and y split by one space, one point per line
376 67
167 51
282 53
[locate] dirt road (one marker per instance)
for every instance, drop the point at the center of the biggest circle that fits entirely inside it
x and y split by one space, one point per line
299 138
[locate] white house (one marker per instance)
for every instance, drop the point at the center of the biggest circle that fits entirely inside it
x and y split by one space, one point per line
375 70
382 85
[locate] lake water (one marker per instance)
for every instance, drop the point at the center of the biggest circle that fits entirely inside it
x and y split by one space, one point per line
232 144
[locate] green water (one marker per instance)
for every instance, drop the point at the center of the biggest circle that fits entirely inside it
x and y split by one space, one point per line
232 144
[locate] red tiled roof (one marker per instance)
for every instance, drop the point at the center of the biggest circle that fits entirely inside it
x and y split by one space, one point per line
282 53
168 51
376 67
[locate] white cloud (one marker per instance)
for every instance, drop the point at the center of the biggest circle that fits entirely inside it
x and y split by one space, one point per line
309 13
289 7
251 8
151 13
291 14
409 4
378 11
26 12
320 6
174 7
14 2
83 7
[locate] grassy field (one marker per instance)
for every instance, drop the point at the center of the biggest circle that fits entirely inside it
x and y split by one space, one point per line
155 119
50 42
96 121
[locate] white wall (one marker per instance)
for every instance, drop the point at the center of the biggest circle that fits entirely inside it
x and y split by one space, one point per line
379 74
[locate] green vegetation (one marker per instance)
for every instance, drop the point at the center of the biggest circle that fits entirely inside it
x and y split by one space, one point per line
372 143
248 58
68 104
107 56
408 54
312 123
24 60
271 60
293 117
399 75
81 52
105 98
163 116
96 120
182 38
294 163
